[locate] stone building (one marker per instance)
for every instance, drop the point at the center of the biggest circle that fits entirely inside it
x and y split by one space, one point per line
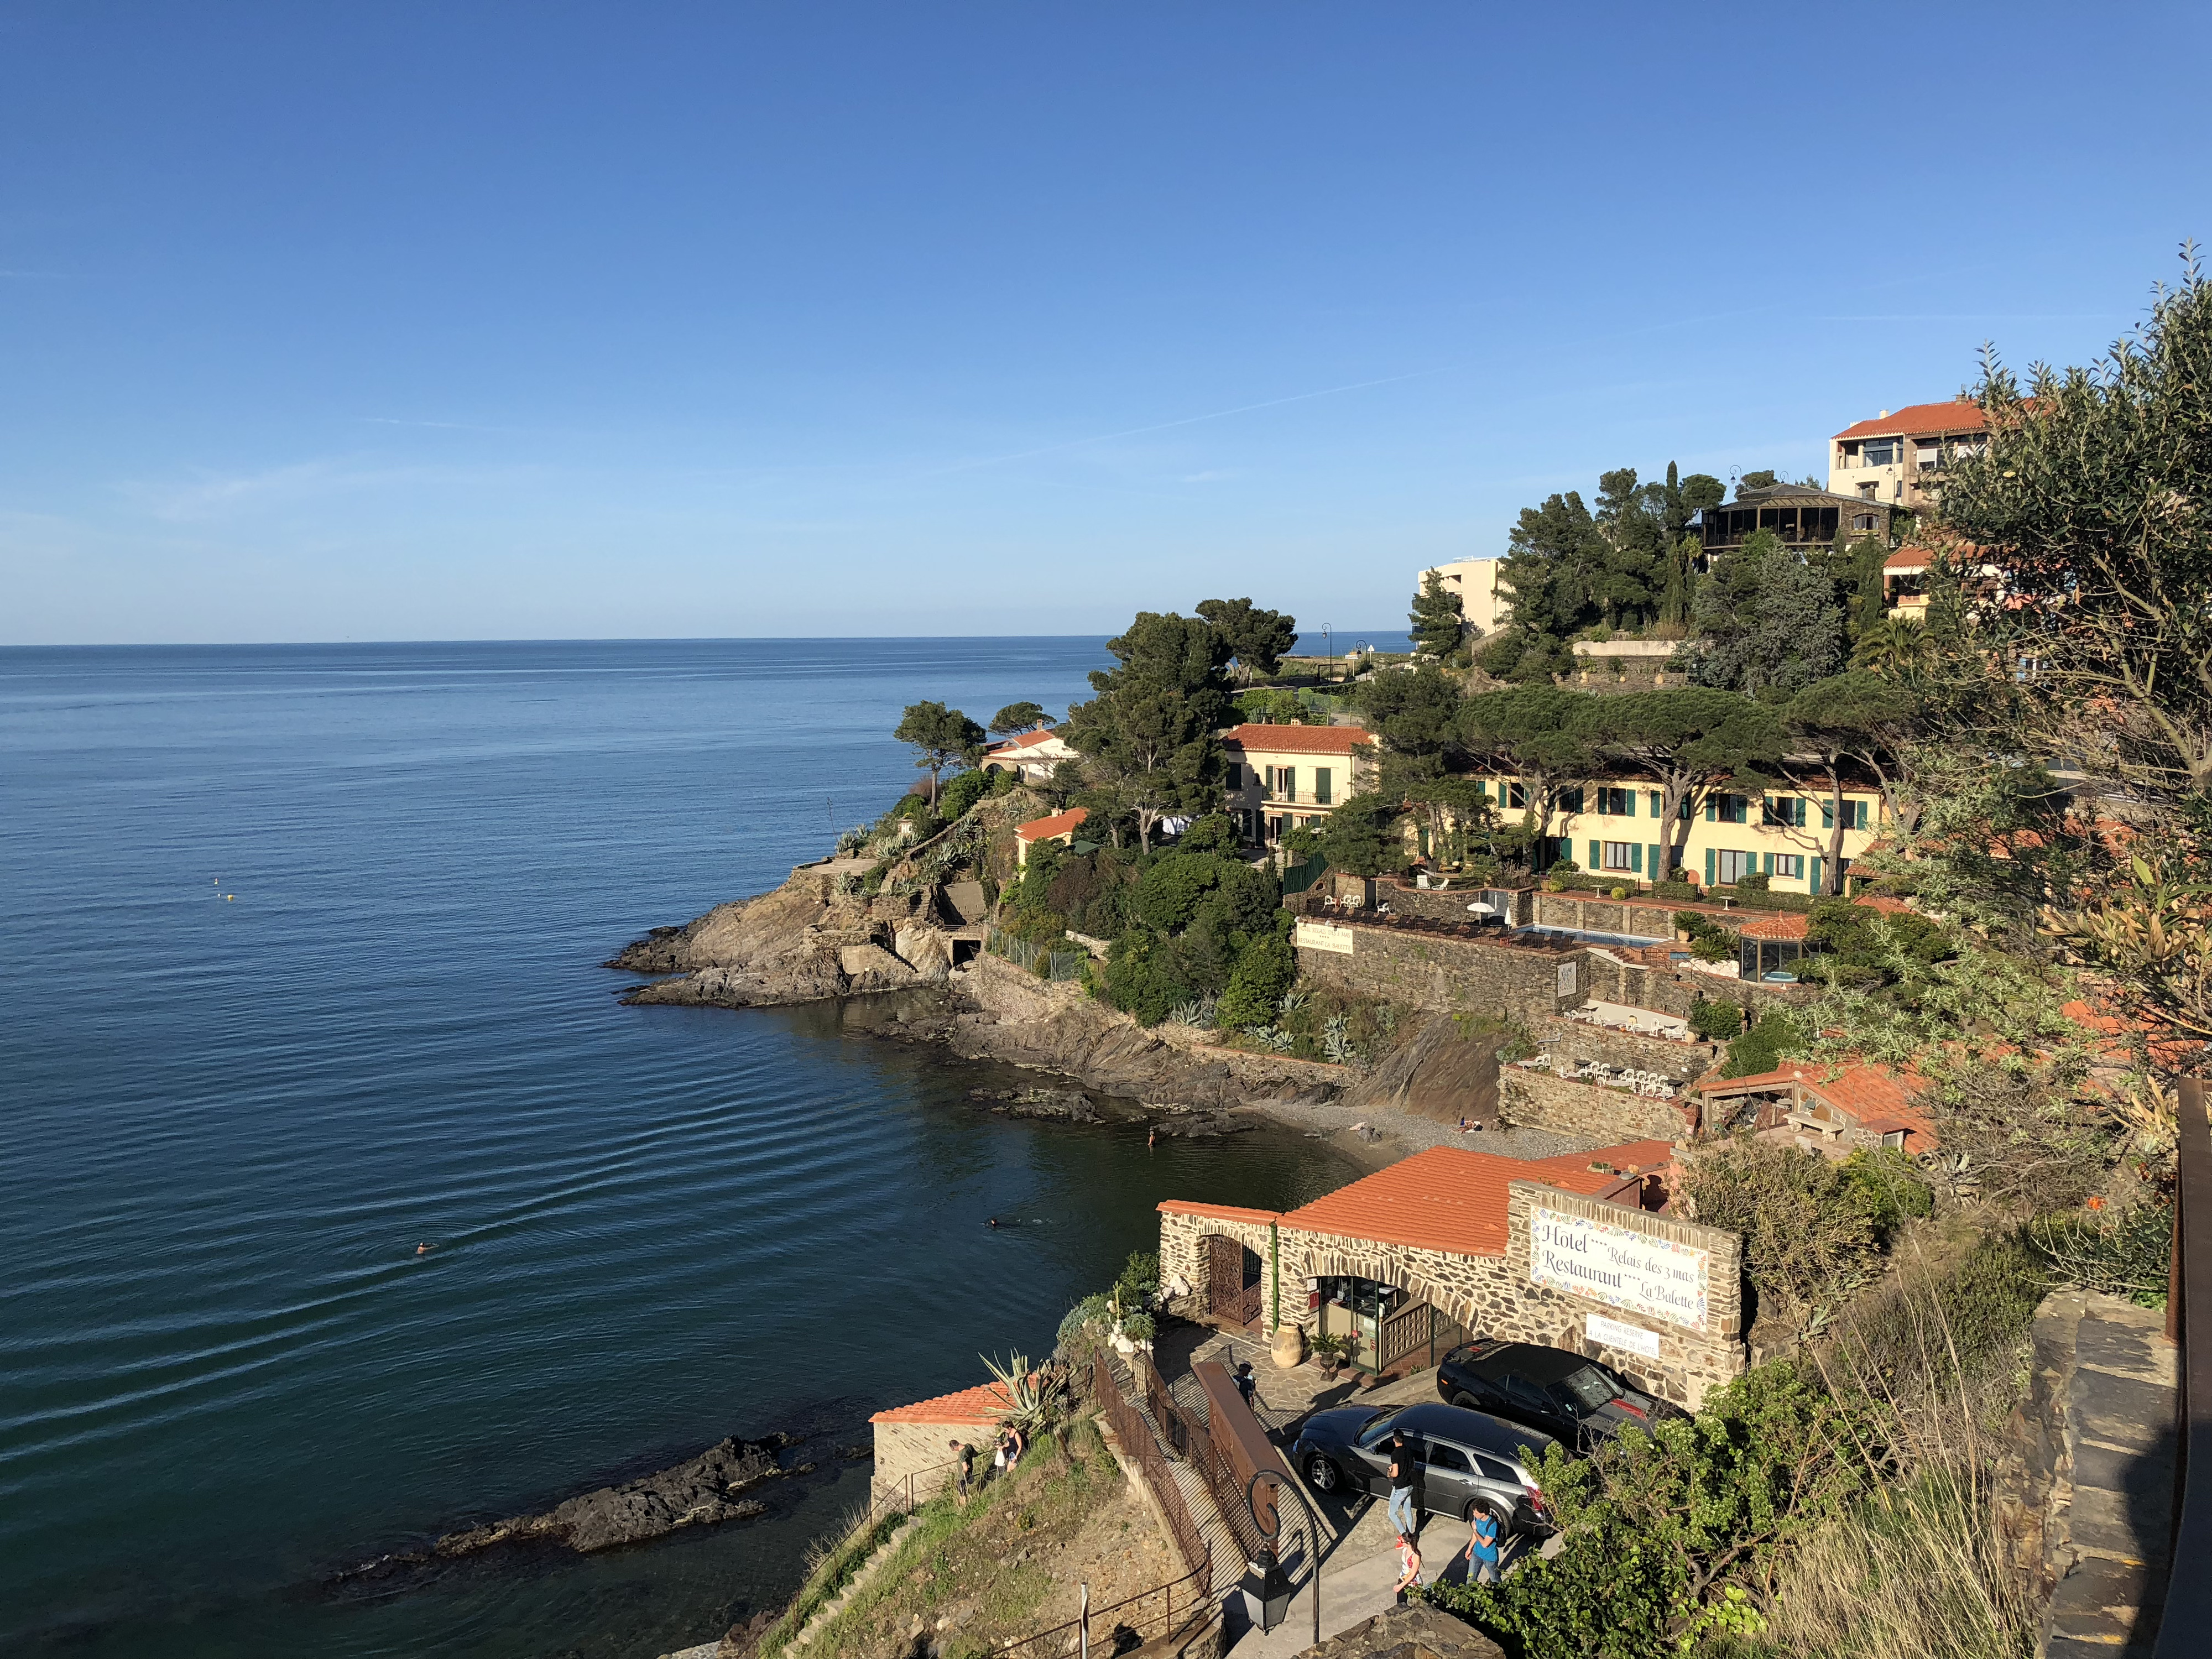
1836 1108
1569 1252
1281 777
1899 459
914 1444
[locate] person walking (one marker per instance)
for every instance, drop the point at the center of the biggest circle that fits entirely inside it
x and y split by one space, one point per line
1409 1568
963 1476
1247 1384
1482 1546
1405 1485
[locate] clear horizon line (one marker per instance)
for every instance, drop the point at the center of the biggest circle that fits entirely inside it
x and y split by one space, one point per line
603 638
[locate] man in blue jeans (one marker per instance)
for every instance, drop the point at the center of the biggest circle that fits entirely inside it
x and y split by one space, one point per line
1482 1546
1405 1486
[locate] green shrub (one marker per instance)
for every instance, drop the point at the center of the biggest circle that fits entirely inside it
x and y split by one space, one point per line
1265 969
1141 978
2128 1253
1716 1022
960 792
1761 1048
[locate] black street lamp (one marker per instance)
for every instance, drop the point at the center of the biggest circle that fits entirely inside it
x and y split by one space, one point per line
1266 1583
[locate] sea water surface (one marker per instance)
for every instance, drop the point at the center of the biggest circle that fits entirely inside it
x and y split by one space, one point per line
298 969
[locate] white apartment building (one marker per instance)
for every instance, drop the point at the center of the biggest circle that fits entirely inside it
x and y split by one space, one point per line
1487 606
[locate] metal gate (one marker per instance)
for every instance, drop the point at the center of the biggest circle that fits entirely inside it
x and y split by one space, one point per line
1420 1331
1232 1280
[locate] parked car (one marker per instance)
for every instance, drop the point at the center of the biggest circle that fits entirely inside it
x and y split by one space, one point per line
1465 1455
1574 1400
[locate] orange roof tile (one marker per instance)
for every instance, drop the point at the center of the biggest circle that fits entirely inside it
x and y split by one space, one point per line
1909 560
1885 903
985 1403
1783 924
1870 1094
1298 739
1023 740
1059 823
1921 420
1448 1198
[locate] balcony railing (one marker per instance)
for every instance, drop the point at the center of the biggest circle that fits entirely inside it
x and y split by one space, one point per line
2188 1612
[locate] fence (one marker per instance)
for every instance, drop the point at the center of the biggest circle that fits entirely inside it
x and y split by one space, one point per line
1189 1435
1155 1615
1060 963
1422 1329
1143 1447
917 1488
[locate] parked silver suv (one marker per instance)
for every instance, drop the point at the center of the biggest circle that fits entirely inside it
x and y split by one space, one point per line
1465 1456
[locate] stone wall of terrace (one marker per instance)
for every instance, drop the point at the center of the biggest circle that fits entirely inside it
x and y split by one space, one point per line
1604 1116
1446 968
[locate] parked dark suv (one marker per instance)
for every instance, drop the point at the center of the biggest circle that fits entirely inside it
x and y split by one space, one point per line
1576 1401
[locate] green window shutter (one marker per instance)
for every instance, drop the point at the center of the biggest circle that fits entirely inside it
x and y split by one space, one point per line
1767 869
1658 860
1321 780
1858 815
1628 798
1813 885
1597 856
1800 812
1636 858
1709 867
1827 815
1711 807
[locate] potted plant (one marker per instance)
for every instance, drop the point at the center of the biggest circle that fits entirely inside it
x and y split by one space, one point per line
1330 1352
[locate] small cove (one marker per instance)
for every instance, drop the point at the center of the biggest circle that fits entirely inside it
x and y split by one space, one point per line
233 1118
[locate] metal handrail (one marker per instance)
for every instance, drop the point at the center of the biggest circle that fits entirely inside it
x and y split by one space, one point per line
2188 1611
1195 1598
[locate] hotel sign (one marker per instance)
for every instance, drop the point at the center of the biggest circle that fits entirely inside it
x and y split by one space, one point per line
1323 936
1604 1261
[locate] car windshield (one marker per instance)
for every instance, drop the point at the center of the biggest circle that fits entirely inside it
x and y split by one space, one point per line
1586 1390
1376 1427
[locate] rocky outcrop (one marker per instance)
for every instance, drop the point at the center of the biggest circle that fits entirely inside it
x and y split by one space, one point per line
802 943
700 1492
1444 1072
1005 1014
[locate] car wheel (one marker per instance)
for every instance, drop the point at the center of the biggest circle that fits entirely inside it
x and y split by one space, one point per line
1466 1401
1322 1474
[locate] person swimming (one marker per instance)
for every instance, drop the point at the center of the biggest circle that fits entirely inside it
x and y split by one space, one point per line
422 1249
992 1222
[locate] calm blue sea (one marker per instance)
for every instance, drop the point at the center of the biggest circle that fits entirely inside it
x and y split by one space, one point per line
298 967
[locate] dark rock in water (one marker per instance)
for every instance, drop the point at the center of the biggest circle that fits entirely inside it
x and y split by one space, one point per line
1067 1105
1202 1126
700 1492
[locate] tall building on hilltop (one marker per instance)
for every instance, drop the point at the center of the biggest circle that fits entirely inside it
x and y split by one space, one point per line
1488 607
1898 457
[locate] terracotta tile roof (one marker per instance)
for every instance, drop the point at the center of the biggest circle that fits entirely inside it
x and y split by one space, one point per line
1448 1198
1059 823
1909 560
1216 1211
985 1403
1869 1094
1885 903
1296 739
1023 740
1921 420
1783 924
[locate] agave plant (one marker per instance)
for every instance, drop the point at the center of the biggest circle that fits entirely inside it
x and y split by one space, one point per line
1336 1038
1291 1003
1184 1013
847 886
1027 1409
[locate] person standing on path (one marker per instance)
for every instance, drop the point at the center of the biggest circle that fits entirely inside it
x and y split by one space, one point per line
1405 1485
965 1476
1409 1568
1247 1384
1482 1546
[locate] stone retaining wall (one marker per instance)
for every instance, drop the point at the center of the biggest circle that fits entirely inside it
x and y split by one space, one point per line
1602 1116
1448 974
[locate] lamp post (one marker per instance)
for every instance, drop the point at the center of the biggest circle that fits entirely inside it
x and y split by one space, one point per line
1329 636
1267 1582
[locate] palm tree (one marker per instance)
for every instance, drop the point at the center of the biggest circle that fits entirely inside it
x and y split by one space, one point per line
1892 647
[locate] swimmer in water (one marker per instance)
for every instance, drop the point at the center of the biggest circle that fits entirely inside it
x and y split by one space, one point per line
422 1249
992 1222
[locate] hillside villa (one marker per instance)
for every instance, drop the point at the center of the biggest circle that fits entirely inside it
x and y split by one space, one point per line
1898 457
1030 755
1283 776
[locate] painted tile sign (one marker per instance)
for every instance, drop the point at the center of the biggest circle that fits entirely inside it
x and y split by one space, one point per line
1617 1265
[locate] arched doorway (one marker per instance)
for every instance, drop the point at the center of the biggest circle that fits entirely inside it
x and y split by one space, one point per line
1234 1280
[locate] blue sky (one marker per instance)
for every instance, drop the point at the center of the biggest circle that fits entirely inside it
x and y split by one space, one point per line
403 321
